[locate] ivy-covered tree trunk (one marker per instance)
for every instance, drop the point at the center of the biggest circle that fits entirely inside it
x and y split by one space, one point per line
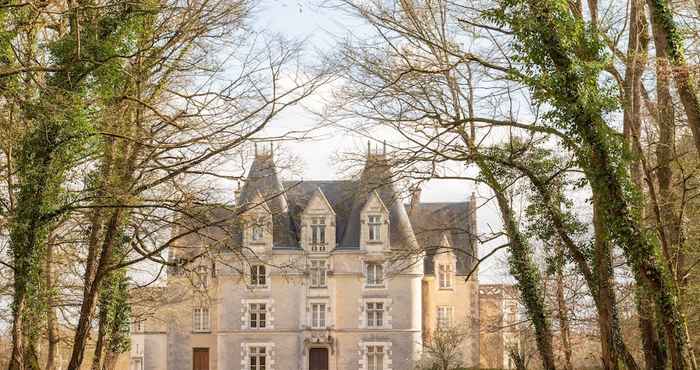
52 335
598 273
524 270
551 39
562 308
669 46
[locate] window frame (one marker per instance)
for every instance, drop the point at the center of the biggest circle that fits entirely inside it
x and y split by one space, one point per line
444 316
201 323
257 231
318 269
255 276
260 312
258 353
318 234
375 357
318 315
201 275
445 276
374 225
374 314
372 278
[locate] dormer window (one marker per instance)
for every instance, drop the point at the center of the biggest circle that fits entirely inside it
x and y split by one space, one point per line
318 234
445 274
258 230
374 222
201 277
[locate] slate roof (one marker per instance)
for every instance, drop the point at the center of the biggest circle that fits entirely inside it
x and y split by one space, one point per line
415 228
432 221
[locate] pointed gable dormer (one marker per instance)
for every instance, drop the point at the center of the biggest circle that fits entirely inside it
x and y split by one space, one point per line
377 181
445 263
262 179
374 221
318 224
257 224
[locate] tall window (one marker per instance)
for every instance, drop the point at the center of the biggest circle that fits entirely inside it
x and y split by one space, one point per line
318 273
257 229
444 316
258 278
200 319
258 315
445 278
375 357
201 277
318 234
375 275
375 314
374 223
257 358
318 315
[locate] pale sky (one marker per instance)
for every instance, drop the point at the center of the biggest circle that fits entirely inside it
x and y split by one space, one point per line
319 27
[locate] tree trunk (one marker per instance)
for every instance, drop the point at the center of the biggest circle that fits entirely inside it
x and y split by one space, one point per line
87 308
51 322
669 46
563 309
524 270
100 341
597 158
599 279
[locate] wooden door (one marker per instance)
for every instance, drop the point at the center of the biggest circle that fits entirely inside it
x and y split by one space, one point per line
318 359
200 359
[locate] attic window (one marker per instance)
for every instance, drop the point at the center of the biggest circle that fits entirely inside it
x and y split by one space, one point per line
374 223
445 275
318 234
257 230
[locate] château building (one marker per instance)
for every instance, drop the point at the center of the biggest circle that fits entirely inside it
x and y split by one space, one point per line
314 275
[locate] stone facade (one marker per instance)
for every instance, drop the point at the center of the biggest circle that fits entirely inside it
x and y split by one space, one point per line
336 275
500 325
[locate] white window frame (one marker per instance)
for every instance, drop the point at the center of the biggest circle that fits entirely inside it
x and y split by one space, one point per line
368 351
201 276
374 275
374 228
259 353
255 276
257 309
318 269
318 234
445 315
201 319
319 316
375 313
375 357
445 276
249 349
257 230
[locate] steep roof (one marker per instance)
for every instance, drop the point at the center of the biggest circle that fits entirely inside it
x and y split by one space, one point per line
262 177
432 221
420 227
